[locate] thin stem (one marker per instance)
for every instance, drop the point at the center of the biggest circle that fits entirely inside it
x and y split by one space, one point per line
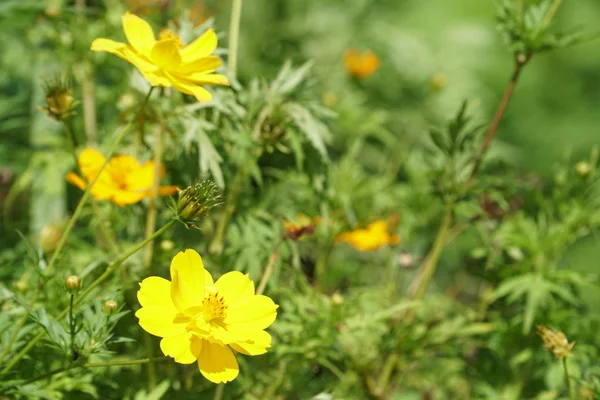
219 391
264 279
272 388
551 12
72 327
234 35
321 266
88 190
520 62
18 328
152 209
386 372
216 246
427 269
95 365
568 379
111 267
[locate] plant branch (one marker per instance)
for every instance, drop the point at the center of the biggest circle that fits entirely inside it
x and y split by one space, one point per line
234 36
568 379
264 279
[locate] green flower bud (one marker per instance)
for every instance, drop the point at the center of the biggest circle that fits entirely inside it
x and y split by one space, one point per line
110 307
50 236
60 102
583 169
197 200
72 284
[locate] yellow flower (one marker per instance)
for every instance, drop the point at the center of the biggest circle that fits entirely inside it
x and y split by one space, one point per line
360 65
555 341
201 320
372 238
165 62
123 181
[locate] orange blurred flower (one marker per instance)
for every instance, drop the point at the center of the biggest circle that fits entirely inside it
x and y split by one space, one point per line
303 225
360 64
375 236
123 181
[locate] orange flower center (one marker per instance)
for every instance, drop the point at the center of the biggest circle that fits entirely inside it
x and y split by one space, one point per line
214 306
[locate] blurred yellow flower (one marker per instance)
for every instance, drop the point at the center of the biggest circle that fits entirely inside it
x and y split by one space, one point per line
376 235
201 320
123 180
303 225
360 65
166 62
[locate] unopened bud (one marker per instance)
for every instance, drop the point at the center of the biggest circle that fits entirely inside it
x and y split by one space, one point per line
50 236
21 286
60 102
167 245
582 168
337 299
197 200
72 284
555 341
110 307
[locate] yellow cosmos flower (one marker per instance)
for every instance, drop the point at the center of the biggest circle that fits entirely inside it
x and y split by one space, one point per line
201 320
166 62
123 180
360 65
376 235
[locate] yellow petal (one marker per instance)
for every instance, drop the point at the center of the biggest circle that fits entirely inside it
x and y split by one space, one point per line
138 32
208 79
155 291
161 321
90 162
204 64
76 180
258 343
179 347
235 287
165 54
108 45
201 94
157 78
188 280
167 190
255 313
126 197
217 363
201 47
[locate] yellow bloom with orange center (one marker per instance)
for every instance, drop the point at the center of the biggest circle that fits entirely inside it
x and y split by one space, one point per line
167 62
123 180
201 320
360 64
373 237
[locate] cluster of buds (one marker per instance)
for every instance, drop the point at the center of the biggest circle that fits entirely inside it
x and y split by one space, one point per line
555 341
197 200
60 103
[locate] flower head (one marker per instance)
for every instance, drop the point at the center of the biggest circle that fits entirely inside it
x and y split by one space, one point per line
372 238
302 226
123 181
166 62
60 103
195 201
360 65
555 341
201 320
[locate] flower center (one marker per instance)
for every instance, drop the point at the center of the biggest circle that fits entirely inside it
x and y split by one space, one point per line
214 306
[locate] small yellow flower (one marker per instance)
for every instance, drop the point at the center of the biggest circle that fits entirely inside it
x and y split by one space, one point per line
123 181
201 320
164 62
360 65
376 235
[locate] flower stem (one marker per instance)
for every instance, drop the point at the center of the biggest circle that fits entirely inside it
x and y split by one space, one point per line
219 391
95 365
520 62
152 209
234 35
109 270
568 379
264 279
551 12
386 372
72 328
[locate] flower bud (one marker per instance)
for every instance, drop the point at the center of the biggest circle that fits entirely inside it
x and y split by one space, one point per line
167 245
582 168
50 236
337 299
21 286
72 284
197 200
555 341
60 102
110 307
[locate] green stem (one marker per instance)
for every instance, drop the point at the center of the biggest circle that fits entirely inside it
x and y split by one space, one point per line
216 246
386 372
18 328
568 379
234 35
219 391
152 209
551 12
72 328
264 279
427 269
321 266
88 190
111 267
95 365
